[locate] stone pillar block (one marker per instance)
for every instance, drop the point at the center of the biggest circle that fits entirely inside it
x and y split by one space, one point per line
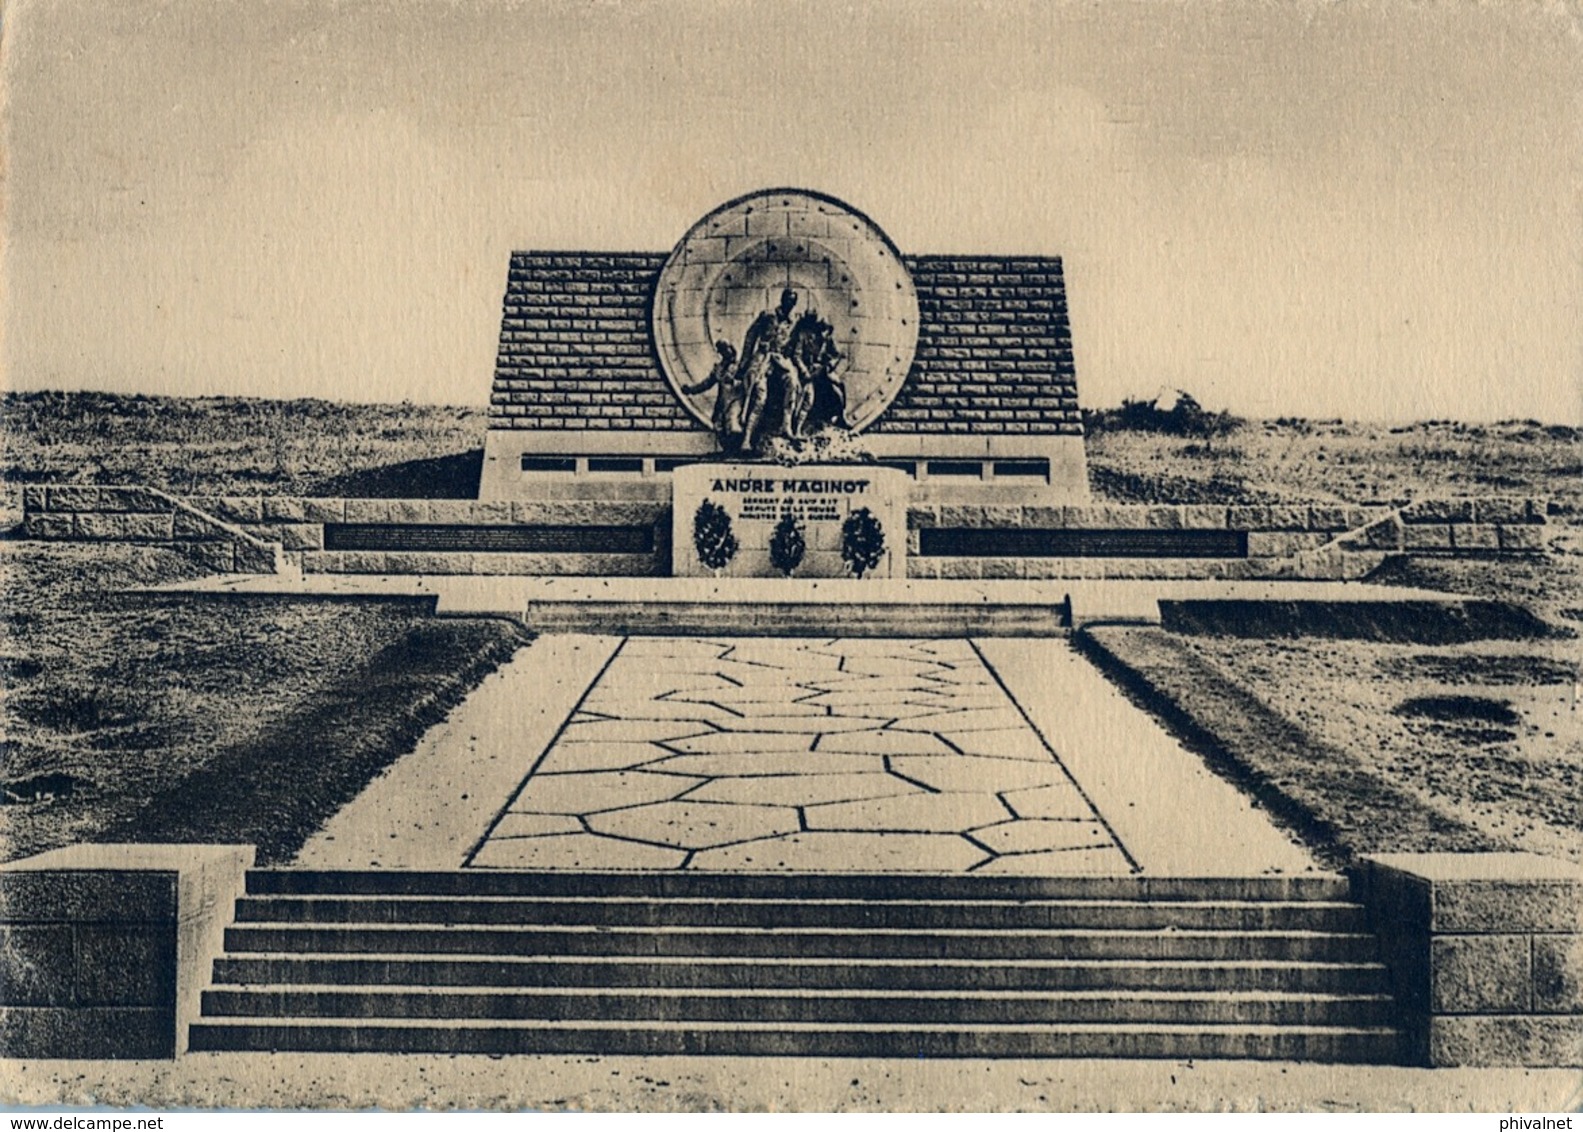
747 502
1438 511
1426 536
1288 518
324 510
409 510
237 508
1500 509
1485 952
1520 537
1475 536
1204 516
107 525
1330 517
1558 974
47 525
108 947
283 509
257 557
302 536
73 497
1480 974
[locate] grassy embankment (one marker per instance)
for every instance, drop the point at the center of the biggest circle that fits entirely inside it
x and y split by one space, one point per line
1380 746
174 720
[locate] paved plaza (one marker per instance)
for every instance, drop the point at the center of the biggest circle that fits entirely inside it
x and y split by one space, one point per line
801 755
990 756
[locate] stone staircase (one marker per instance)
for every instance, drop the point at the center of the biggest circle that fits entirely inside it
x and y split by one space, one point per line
478 961
664 614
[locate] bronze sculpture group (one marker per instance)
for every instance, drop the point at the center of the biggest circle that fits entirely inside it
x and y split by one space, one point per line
784 384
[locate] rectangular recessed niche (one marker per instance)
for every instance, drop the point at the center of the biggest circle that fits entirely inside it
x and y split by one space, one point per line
956 468
1006 469
1027 542
486 538
549 463
671 463
630 464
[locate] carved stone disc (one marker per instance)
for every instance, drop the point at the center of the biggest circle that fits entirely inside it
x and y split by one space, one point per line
734 264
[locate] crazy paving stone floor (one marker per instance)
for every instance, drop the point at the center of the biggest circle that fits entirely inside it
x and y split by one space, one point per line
818 756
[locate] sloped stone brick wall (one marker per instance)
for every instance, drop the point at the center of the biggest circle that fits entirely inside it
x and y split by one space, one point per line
994 348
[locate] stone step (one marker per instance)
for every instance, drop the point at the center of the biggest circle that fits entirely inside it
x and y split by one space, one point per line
687 972
790 886
570 940
983 915
500 962
837 1006
798 619
1371 1044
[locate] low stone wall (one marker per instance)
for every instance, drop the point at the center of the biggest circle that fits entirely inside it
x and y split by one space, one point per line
300 525
1485 952
489 563
1323 541
1445 526
144 514
107 948
1279 541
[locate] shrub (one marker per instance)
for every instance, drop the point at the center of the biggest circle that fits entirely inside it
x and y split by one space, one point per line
787 544
862 541
1459 709
712 536
1185 417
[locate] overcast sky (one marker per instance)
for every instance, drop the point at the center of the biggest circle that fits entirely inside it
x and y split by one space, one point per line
1320 209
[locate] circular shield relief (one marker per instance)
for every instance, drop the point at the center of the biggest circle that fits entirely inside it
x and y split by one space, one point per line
754 267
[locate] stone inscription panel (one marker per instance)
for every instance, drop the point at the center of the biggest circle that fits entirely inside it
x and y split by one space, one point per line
725 517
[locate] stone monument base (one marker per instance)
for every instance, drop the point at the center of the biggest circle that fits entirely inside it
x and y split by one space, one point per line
834 521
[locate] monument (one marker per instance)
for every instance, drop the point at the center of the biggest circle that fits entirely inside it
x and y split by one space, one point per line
784 331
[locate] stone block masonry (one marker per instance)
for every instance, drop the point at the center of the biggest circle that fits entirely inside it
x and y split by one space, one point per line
108 947
1485 952
750 501
83 512
580 536
994 348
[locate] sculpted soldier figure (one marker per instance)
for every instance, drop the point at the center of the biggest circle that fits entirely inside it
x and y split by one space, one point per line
727 419
764 359
787 376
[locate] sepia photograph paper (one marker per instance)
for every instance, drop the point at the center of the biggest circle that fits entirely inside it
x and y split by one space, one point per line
804 556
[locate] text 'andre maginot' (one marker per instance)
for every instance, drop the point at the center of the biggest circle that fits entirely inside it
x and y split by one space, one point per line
793 487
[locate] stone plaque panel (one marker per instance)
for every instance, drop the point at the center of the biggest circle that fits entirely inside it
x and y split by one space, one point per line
724 518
